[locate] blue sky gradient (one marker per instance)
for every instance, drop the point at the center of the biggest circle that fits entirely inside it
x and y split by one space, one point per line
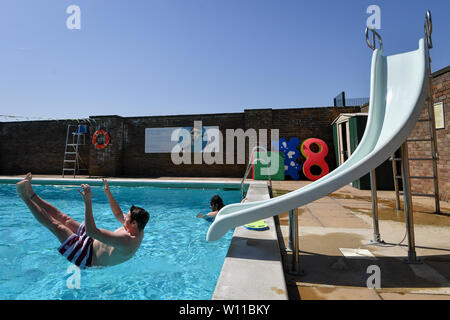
161 57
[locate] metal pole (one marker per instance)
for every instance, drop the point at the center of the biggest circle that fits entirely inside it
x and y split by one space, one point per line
396 187
412 258
295 264
373 190
435 156
434 151
293 231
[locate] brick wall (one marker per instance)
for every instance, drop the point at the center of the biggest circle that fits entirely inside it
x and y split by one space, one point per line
38 146
441 93
107 161
308 123
138 163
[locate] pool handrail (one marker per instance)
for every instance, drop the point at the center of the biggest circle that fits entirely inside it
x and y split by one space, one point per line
251 163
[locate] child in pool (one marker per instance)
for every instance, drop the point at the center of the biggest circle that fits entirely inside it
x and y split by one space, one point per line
216 204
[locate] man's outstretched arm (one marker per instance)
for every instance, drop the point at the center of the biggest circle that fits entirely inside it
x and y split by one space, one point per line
105 236
88 216
114 239
113 204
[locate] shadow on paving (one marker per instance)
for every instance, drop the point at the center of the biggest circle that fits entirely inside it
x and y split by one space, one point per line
340 271
333 269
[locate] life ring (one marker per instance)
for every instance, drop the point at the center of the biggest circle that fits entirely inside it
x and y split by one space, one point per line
104 144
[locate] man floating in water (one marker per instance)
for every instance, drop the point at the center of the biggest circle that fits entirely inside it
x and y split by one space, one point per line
83 243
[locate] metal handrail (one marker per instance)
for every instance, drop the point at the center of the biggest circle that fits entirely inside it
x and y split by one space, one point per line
251 163
428 26
428 29
374 34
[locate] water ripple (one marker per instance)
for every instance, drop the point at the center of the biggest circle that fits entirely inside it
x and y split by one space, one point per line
174 261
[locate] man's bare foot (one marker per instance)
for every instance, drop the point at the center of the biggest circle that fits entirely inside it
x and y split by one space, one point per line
24 188
28 186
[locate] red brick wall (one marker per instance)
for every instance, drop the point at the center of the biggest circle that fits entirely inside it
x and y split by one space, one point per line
138 163
133 161
310 123
38 146
441 93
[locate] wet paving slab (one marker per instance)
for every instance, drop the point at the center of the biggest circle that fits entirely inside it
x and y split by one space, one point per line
344 220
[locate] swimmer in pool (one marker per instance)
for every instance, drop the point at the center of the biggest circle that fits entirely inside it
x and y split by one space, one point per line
216 204
84 244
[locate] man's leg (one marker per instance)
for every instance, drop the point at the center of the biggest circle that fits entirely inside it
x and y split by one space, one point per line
57 228
54 212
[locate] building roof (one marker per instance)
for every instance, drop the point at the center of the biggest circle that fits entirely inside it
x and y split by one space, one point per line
441 72
343 117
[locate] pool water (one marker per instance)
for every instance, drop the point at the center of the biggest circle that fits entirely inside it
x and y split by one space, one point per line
174 260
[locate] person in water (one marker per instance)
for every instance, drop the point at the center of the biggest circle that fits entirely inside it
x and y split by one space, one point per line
84 244
216 204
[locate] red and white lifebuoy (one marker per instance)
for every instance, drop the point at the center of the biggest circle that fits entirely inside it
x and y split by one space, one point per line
104 144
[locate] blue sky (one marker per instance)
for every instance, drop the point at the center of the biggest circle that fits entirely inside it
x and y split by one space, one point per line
160 57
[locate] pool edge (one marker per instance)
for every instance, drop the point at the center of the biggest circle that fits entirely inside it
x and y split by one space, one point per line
130 182
253 268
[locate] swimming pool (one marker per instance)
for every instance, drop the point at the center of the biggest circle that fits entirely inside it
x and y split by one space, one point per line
174 260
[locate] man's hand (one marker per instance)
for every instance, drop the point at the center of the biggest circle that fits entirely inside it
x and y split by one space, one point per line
199 215
86 193
106 187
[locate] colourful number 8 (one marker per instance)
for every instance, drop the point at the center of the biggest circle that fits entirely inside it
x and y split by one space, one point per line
314 158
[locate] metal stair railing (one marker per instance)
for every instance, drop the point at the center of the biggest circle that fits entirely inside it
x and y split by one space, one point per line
432 131
251 163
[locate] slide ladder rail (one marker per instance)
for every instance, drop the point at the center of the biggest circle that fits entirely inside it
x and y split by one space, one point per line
372 45
434 157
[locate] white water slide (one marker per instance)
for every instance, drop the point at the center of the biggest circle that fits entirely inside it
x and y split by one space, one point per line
398 90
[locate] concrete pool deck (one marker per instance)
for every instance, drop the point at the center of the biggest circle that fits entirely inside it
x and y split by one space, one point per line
343 220
97 181
253 267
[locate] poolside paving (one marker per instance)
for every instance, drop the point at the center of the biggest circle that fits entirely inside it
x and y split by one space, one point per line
343 220
253 268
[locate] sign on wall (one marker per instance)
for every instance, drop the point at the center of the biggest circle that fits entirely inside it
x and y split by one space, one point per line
159 140
439 115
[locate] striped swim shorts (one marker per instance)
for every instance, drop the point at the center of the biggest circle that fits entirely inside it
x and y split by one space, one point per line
78 248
